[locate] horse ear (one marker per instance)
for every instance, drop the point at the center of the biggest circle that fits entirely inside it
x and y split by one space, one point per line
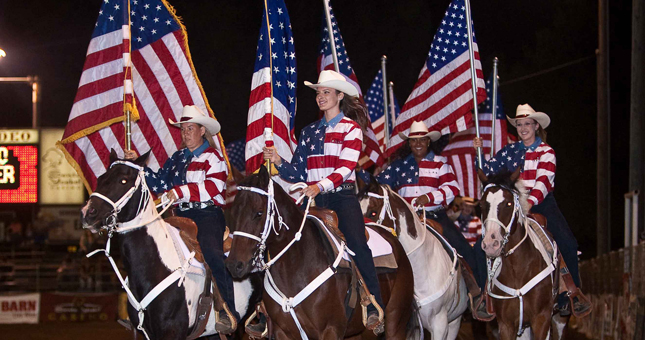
113 156
142 160
263 175
516 174
482 176
360 183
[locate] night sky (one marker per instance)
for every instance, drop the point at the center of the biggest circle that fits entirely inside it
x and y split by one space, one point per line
50 38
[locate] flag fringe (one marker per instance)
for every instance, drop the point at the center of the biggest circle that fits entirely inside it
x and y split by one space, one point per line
60 145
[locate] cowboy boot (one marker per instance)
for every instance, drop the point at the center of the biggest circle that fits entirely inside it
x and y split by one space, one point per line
572 300
257 330
225 322
475 296
481 308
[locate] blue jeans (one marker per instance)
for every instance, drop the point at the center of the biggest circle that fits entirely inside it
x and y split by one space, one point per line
352 225
210 234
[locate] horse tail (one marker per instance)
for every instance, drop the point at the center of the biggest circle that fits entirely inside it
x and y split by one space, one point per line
414 329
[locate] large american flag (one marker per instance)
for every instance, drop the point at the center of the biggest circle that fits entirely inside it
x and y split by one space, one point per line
374 102
371 151
235 151
160 81
460 151
442 96
272 103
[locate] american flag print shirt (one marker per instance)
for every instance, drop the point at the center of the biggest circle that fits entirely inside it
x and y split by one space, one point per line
197 176
434 177
537 163
326 154
470 227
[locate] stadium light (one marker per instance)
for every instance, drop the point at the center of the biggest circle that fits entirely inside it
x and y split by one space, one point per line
2 53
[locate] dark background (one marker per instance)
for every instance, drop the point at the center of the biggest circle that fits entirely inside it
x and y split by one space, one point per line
50 38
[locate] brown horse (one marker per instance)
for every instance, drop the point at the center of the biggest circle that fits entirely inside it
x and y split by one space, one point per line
267 217
522 281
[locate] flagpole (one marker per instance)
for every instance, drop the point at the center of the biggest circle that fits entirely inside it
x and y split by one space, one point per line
392 108
331 35
268 131
473 76
494 117
127 85
385 106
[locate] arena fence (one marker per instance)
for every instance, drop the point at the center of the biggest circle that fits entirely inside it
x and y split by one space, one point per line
615 283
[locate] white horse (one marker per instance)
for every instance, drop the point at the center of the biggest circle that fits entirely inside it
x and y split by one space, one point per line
439 289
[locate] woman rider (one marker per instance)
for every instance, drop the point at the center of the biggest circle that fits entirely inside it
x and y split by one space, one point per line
325 158
536 159
424 178
195 177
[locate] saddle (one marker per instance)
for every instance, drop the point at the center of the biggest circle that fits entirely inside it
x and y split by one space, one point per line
188 232
330 219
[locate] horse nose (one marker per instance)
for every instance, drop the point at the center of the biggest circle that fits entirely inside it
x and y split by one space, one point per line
236 268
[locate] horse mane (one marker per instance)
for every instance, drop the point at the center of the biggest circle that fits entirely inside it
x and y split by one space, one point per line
504 180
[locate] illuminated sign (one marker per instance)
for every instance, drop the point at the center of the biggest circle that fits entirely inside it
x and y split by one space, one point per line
18 166
59 182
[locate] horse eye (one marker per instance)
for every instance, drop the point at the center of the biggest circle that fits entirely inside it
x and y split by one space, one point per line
508 204
123 181
258 214
373 213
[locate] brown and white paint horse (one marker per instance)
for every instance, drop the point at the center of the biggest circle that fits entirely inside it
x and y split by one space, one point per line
523 285
439 289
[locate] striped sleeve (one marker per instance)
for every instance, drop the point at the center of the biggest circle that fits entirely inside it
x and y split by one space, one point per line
206 177
448 187
347 159
544 176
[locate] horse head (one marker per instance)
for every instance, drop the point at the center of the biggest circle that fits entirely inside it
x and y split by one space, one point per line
504 207
116 191
255 214
382 205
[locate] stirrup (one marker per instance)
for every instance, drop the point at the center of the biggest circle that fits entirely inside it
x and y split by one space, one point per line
225 324
258 330
379 327
479 308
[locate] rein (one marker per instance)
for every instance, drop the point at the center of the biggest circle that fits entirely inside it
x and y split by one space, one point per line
494 266
288 303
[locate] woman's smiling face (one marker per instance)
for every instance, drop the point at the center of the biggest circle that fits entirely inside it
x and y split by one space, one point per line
419 146
327 98
526 128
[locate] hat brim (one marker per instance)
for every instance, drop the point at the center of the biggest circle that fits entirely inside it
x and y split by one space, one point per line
540 117
434 136
210 124
339 85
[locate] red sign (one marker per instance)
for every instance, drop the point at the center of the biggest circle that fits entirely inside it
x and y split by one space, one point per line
18 174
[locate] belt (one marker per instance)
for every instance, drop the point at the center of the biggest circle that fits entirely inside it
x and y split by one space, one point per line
342 187
195 205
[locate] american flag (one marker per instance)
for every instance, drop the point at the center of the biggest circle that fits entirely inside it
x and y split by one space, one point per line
371 151
460 151
235 151
442 96
274 74
161 81
374 102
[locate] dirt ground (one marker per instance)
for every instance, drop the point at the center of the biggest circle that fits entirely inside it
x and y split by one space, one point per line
114 331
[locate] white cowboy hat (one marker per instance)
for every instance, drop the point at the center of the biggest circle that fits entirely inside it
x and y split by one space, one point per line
334 80
192 114
526 111
420 130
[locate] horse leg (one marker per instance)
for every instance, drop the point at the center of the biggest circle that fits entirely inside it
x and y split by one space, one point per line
439 326
558 326
453 328
507 331
541 325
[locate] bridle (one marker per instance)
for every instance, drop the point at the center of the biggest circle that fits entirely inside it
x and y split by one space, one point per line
517 213
387 207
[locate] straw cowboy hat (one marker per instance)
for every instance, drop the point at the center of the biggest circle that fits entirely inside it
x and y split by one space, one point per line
526 111
420 130
192 114
334 80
